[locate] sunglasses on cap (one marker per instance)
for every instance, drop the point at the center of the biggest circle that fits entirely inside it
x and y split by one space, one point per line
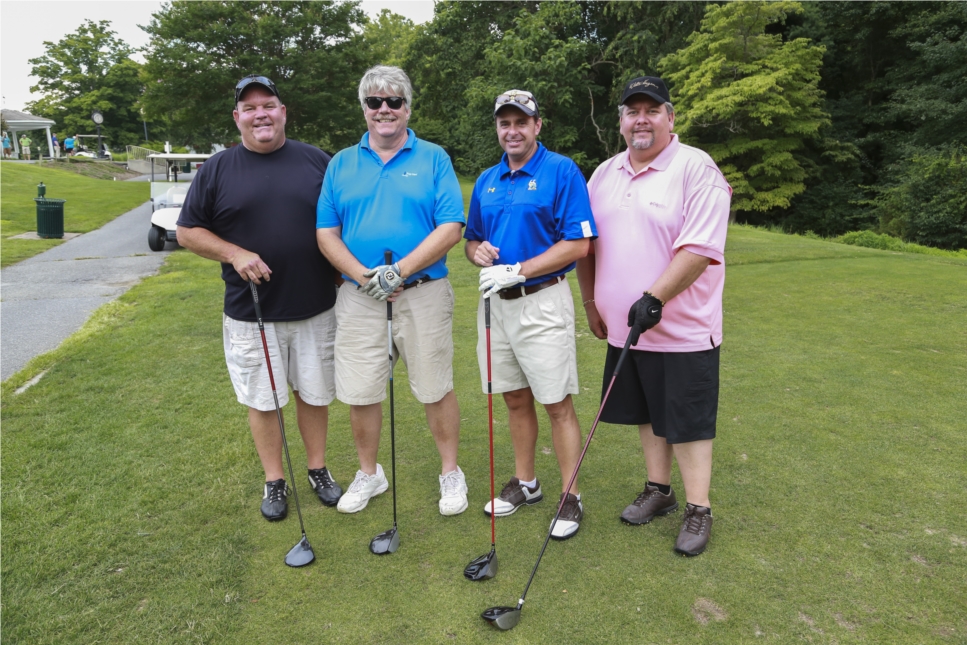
254 78
524 98
375 102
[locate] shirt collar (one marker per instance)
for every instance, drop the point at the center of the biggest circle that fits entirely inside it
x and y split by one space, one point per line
661 162
530 167
410 140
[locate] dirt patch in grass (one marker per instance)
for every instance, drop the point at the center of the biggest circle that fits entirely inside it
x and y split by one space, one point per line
704 610
91 168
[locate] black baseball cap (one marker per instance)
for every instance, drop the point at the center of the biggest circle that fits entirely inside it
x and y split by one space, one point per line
255 79
651 86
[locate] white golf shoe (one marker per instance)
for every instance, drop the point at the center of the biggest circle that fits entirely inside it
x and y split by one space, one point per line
361 490
453 493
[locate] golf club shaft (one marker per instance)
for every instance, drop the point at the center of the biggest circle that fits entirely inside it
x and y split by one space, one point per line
577 467
388 258
490 422
278 408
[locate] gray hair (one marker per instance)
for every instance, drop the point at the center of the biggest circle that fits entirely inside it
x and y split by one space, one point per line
383 78
668 107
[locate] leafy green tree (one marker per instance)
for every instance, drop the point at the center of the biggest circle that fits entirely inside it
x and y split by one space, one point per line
311 50
89 70
928 202
388 37
750 100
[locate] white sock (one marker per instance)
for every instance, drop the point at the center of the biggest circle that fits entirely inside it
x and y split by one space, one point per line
530 484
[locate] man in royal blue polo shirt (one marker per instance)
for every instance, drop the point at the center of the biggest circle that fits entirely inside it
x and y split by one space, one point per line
529 221
393 192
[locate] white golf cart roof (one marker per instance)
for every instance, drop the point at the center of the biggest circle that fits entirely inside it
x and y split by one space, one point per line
174 156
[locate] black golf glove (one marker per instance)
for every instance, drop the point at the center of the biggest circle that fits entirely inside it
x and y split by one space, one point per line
643 315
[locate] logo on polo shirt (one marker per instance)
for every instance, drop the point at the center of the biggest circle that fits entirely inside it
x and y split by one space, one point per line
409 174
657 205
490 190
532 184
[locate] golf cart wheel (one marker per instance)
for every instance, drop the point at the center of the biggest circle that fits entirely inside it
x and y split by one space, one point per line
156 238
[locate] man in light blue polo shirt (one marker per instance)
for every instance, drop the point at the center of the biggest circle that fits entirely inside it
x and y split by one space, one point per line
530 220
393 192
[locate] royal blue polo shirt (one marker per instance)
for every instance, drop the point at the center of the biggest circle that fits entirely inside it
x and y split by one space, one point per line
525 212
392 206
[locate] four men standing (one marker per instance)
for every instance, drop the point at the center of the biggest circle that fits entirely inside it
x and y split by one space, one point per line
662 211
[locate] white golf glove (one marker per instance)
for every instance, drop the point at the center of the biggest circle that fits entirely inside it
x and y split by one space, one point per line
385 280
495 278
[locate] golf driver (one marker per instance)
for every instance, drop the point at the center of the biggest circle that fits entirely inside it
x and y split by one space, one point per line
388 541
505 618
485 567
301 554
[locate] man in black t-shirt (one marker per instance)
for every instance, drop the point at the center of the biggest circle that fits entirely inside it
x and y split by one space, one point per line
253 208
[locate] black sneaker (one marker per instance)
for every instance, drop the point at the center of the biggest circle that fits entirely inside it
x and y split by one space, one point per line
325 486
513 496
569 521
274 504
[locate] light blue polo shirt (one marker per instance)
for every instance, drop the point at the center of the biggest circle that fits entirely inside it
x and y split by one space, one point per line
525 212
392 206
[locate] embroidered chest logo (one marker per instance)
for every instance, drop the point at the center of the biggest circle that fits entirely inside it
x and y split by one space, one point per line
491 190
409 174
532 184
657 205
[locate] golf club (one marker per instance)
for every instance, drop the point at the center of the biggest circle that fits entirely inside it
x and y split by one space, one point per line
388 541
485 567
505 618
301 554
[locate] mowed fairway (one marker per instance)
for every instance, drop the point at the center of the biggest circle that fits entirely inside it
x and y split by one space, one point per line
131 486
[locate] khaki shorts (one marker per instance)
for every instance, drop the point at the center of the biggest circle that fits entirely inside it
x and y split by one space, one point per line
301 354
531 344
422 337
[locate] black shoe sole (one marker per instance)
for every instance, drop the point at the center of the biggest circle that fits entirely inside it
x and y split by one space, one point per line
691 554
660 513
566 537
277 518
330 504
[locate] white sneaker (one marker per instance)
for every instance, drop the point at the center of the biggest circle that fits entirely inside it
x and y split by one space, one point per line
361 490
453 493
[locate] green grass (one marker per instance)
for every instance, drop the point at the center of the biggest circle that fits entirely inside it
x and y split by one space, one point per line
131 487
91 203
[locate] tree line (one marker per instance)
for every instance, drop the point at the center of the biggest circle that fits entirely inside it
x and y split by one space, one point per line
825 116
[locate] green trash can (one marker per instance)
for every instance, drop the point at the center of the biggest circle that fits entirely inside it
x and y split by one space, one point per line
186 167
50 218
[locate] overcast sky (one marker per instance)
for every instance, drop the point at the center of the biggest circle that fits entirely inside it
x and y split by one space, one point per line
60 18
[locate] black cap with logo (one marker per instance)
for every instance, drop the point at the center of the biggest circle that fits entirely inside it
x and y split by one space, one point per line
651 86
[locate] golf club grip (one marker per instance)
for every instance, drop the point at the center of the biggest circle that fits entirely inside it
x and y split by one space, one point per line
388 259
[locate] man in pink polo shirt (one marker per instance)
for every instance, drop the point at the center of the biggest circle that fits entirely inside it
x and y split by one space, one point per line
662 211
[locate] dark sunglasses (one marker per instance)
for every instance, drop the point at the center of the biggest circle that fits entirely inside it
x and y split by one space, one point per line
375 102
254 78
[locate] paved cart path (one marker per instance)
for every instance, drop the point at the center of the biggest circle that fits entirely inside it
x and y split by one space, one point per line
48 297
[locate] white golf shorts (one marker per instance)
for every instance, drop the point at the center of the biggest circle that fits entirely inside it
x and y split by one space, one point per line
301 353
531 344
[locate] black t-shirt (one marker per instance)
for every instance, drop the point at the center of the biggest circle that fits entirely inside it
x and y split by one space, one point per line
266 203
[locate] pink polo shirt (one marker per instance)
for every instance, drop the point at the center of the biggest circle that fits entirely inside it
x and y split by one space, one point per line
681 201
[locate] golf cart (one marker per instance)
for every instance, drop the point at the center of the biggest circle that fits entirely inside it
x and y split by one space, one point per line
80 150
168 195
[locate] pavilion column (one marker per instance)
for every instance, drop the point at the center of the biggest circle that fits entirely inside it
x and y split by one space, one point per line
16 143
50 144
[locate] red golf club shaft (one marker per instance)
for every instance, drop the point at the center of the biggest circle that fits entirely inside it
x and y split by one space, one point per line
490 420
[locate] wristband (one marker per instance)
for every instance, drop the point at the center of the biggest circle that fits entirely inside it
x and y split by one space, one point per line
588 301
649 293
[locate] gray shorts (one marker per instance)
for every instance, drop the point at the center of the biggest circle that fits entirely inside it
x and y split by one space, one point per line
301 354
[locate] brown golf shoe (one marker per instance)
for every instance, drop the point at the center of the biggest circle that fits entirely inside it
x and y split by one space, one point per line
649 503
696 530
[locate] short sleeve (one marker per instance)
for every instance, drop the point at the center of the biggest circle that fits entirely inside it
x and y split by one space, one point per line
326 214
706 217
448 201
475 227
572 206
